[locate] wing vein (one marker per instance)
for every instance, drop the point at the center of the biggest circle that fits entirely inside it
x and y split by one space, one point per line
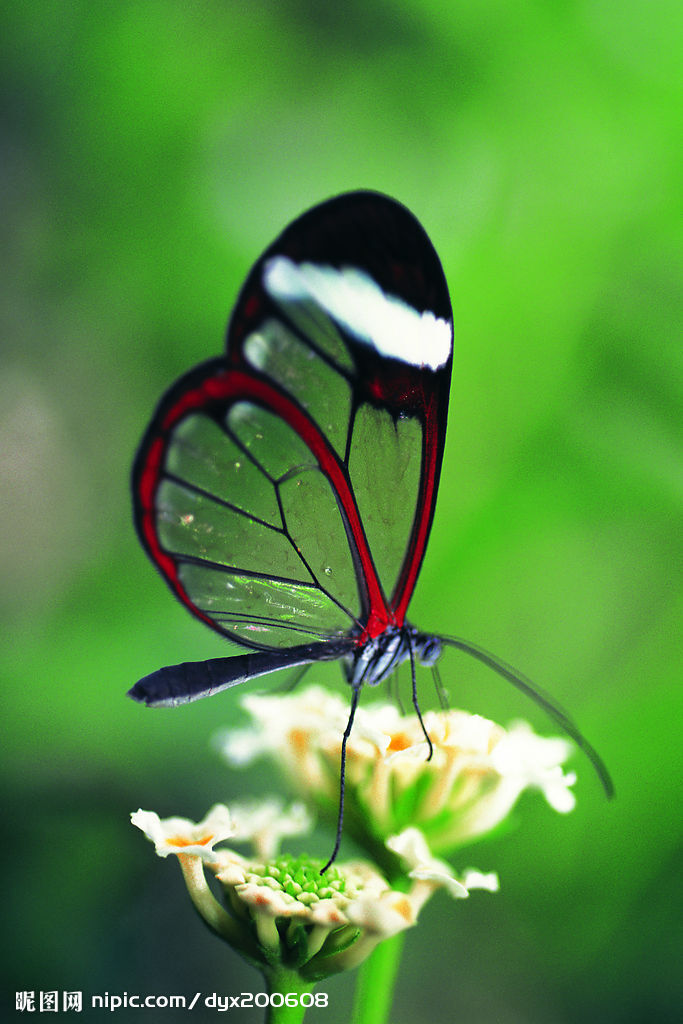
308 341
195 489
235 570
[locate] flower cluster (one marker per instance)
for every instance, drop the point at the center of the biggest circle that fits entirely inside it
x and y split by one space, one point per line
279 910
473 779
404 809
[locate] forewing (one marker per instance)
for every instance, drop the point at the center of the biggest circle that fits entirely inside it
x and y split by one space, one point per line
348 312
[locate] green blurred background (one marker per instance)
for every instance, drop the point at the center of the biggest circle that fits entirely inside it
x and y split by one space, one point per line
150 151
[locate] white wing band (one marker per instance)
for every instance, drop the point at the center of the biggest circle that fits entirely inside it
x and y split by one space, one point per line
359 305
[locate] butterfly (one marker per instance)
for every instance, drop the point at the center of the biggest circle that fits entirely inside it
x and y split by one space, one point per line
286 490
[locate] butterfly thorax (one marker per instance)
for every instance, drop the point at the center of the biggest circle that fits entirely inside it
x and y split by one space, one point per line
377 658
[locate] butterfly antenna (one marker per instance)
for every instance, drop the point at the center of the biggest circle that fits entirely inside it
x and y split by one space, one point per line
342 776
415 700
543 700
439 687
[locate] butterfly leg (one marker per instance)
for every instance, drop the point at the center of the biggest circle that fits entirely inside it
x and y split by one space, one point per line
342 776
439 687
416 704
395 689
291 684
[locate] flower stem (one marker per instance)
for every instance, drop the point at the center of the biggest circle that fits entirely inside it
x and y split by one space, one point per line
286 983
375 985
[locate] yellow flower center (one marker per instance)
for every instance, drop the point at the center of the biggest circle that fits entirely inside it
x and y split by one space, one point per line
184 841
299 740
400 741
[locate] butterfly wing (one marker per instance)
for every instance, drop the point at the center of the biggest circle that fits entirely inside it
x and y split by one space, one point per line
286 491
231 505
357 283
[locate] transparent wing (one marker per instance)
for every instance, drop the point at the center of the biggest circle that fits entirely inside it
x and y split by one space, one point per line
236 512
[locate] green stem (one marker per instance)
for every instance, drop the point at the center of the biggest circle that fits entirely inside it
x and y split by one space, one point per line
375 985
210 910
290 984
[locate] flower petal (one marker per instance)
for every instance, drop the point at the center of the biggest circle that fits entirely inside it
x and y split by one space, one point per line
413 849
473 879
265 822
180 835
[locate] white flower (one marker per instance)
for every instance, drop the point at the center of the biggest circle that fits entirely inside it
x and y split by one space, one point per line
265 822
279 908
475 776
537 760
181 836
411 846
333 920
284 726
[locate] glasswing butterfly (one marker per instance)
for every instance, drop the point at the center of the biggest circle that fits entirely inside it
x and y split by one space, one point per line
286 490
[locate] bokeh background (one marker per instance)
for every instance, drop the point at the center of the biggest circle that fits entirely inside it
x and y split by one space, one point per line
150 151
